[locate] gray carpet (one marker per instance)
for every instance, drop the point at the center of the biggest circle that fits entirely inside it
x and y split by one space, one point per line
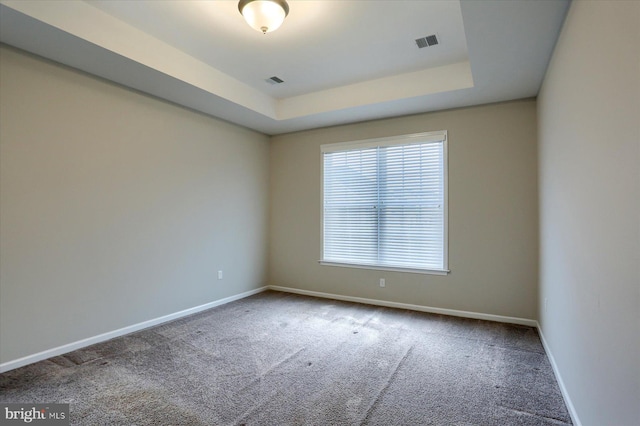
283 359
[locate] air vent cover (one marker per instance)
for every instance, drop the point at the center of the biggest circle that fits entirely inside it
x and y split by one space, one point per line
430 40
274 80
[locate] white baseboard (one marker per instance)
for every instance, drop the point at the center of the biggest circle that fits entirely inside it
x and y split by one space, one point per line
565 394
60 350
452 312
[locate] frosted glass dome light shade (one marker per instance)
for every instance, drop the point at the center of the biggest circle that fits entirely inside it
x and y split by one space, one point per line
264 15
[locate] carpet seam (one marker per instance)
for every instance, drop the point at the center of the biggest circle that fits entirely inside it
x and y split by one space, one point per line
528 413
386 386
270 369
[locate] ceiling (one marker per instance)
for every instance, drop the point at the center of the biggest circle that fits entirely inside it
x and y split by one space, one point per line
341 61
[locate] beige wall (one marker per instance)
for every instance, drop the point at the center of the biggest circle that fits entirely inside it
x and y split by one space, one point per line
493 218
116 207
589 112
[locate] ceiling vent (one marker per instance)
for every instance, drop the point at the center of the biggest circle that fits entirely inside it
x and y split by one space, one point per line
428 41
274 80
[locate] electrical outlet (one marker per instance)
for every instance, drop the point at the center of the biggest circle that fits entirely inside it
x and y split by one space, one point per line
220 275
545 304
382 282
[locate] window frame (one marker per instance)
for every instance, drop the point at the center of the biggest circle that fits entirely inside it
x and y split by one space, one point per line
409 139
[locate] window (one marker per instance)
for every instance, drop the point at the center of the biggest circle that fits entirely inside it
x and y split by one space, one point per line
385 203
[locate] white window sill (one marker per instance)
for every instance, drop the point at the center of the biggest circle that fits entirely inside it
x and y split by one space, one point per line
386 268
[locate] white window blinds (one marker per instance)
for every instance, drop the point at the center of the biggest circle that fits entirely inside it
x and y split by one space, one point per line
384 202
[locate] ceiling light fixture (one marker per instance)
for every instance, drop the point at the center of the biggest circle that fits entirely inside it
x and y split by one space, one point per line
264 15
